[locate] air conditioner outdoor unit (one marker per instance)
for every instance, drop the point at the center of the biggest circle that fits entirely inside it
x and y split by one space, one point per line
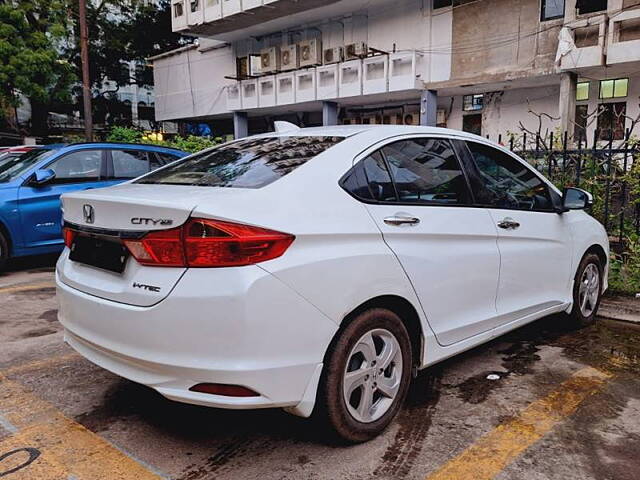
248 66
332 55
354 51
310 52
289 57
270 60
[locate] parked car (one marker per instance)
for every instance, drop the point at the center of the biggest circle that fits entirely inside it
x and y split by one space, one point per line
317 269
31 184
8 153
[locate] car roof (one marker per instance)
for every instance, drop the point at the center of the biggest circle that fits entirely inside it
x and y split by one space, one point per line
382 131
138 146
19 148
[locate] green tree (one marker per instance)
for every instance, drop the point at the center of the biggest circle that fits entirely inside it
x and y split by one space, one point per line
32 35
122 31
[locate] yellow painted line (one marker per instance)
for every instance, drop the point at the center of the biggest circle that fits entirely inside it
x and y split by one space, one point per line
494 451
67 449
25 288
41 364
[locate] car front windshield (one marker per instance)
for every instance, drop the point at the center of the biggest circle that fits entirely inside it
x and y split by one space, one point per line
13 167
249 163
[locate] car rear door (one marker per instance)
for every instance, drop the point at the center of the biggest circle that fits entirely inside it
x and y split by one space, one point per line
39 205
533 239
420 199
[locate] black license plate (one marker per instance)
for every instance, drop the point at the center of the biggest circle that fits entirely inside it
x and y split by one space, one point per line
99 252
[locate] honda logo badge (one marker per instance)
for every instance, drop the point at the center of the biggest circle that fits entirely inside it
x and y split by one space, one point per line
88 212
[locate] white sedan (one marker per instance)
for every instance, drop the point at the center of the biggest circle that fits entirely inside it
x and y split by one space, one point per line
318 269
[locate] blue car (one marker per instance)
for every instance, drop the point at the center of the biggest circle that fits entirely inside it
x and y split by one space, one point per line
31 185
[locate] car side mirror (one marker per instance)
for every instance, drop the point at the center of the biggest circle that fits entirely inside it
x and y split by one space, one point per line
576 199
43 176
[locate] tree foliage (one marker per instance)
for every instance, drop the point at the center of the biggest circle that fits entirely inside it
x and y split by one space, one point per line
123 31
40 52
32 35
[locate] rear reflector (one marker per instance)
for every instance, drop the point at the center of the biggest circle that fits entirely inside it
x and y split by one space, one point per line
209 243
222 389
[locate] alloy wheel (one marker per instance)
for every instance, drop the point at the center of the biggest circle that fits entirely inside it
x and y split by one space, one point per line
589 290
373 375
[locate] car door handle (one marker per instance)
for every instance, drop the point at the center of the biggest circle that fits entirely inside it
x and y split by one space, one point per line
508 223
397 220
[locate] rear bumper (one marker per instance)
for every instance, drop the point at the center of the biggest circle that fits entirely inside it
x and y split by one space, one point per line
249 330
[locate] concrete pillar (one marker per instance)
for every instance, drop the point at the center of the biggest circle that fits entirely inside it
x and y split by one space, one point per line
329 113
428 108
567 105
240 125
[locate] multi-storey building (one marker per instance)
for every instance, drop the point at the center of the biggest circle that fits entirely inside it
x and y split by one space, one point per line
486 66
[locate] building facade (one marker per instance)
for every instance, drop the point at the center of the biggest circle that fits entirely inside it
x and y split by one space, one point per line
499 68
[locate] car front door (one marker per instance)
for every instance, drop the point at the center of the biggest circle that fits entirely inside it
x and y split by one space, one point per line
422 204
533 239
39 205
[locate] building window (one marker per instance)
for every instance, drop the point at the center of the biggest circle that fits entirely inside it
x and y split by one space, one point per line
472 124
442 3
590 6
178 9
617 88
552 9
195 5
611 121
580 131
472 102
582 91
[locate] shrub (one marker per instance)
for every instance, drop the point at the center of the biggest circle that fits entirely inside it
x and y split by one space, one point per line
190 144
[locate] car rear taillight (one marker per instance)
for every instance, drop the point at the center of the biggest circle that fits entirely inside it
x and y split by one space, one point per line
68 236
209 243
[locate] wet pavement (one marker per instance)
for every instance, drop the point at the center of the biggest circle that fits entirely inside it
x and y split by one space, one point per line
452 408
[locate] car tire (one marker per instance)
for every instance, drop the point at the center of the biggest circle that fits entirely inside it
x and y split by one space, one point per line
366 376
4 251
587 291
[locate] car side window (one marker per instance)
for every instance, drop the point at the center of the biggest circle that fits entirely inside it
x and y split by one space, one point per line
76 167
129 163
508 183
369 179
427 171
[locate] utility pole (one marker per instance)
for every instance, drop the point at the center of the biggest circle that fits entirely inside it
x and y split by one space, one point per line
84 56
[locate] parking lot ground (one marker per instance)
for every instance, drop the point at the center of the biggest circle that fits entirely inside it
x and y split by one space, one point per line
566 406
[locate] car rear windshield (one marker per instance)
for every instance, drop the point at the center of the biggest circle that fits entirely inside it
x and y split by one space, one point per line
250 163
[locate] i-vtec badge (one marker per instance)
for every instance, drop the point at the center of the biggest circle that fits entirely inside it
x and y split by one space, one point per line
151 221
148 288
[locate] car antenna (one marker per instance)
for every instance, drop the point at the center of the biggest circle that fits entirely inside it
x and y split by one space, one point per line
282 127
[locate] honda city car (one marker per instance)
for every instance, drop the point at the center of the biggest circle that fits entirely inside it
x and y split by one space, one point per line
32 182
318 269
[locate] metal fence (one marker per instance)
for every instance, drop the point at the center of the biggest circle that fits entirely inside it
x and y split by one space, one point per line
609 169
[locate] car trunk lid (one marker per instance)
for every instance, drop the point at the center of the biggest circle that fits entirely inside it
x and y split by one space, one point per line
102 218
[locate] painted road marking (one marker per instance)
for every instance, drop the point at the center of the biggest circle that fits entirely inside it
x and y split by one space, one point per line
40 364
498 448
25 288
66 447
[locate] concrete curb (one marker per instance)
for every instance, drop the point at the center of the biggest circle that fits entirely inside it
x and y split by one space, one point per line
624 309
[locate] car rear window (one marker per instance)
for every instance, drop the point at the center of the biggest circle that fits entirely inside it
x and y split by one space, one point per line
250 163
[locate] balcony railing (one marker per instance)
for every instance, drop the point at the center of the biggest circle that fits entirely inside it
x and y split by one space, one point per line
400 71
623 44
589 36
214 17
